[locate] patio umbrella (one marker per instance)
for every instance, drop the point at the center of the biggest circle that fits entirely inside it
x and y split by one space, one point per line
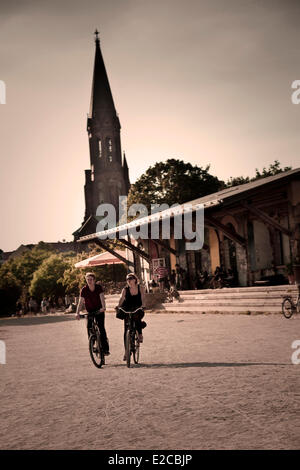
99 260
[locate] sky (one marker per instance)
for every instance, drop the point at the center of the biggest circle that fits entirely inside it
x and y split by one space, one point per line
206 81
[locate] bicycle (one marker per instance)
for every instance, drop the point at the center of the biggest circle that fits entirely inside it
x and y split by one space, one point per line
95 346
132 342
289 307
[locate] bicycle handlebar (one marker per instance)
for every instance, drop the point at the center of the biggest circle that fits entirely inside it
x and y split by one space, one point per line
134 311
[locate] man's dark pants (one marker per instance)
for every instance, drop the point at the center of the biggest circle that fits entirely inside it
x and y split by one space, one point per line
100 322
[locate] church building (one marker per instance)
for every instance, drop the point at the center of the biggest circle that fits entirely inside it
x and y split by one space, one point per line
107 178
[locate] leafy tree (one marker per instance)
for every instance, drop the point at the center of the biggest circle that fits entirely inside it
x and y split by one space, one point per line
274 169
73 278
10 291
46 279
237 180
173 181
24 265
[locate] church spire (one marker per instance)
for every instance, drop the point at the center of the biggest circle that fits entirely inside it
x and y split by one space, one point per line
101 97
107 178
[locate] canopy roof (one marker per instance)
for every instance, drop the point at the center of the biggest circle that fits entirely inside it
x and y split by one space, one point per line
100 259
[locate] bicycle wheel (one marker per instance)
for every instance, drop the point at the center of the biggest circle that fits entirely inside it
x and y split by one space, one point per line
96 352
136 350
288 307
128 347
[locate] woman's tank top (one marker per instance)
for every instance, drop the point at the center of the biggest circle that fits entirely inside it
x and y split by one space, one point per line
132 302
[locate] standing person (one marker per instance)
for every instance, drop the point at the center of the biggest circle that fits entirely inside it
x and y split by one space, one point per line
31 305
185 280
60 302
44 305
173 279
133 297
93 296
179 276
51 305
67 301
19 308
173 290
162 273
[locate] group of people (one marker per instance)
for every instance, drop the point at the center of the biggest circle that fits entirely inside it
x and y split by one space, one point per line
48 304
92 296
177 280
220 278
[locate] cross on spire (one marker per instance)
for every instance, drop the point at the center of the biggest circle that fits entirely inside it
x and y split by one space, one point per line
96 35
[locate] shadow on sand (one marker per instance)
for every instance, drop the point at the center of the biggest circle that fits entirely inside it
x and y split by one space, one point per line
182 365
40 320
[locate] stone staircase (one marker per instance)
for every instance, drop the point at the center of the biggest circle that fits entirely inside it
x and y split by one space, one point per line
244 300
111 301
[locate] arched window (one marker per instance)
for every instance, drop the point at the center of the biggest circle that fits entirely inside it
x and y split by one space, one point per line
99 148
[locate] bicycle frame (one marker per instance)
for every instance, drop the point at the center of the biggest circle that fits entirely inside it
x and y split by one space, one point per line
95 328
95 332
130 319
133 347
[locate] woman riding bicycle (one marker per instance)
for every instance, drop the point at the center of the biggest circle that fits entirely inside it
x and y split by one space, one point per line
133 297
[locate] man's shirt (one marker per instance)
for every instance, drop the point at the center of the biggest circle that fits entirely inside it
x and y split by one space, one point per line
92 298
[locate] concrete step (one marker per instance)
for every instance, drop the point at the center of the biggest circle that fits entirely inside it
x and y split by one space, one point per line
220 309
266 299
233 297
241 290
221 304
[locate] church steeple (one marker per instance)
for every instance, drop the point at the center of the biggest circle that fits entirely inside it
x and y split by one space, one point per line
101 96
107 178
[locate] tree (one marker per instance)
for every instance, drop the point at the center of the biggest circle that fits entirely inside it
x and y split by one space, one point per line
46 280
274 169
10 291
24 265
173 181
73 278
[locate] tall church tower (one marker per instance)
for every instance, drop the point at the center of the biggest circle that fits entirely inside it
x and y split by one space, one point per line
107 178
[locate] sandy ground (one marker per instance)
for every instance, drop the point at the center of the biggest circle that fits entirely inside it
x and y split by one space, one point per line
205 382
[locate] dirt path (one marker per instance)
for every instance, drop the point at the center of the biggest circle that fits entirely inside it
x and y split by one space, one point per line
205 382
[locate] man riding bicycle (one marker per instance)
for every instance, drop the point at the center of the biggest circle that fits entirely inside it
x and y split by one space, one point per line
93 296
